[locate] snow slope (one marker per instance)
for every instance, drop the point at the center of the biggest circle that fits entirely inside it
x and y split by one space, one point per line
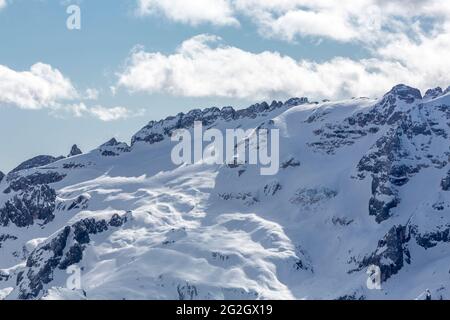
361 182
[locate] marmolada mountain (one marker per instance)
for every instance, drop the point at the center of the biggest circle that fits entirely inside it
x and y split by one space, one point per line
363 183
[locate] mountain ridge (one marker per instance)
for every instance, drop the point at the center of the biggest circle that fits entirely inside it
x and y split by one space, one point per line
349 195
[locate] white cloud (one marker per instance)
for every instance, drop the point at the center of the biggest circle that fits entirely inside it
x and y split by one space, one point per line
40 87
102 113
366 21
44 87
200 68
194 12
91 94
2 4
406 41
110 114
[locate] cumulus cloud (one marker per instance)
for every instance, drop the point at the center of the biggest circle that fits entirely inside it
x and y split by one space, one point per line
91 94
42 86
203 67
405 41
100 112
216 12
110 114
365 21
2 4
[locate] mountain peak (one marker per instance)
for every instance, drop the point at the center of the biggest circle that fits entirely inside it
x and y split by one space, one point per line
296 101
74 151
405 93
2 175
35 162
110 143
433 93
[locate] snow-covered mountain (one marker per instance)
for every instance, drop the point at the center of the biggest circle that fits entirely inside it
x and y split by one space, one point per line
362 182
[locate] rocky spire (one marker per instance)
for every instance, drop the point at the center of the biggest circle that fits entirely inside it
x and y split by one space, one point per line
2 175
75 151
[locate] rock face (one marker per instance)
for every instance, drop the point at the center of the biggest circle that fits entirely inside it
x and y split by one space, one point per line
32 199
35 162
432 239
33 203
445 183
433 93
74 151
18 183
391 254
2 175
55 254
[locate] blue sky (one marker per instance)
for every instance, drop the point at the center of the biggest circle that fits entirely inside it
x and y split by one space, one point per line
140 60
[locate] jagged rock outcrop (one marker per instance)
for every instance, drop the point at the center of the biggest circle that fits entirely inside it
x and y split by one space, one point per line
74 151
54 254
113 148
2 175
431 239
445 183
433 93
32 203
32 199
392 252
18 183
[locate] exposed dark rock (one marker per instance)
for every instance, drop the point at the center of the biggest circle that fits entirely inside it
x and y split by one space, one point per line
352 297
80 203
290 163
74 151
391 253
187 292
341 221
83 228
41 264
113 148
248 198
73 256
73 165
36 162
313 196
304 260
43 261
272 188
433 93
406 93
36 202
37 178
157 131
383 162
431 239
297 101
445 183
6 237
117 220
